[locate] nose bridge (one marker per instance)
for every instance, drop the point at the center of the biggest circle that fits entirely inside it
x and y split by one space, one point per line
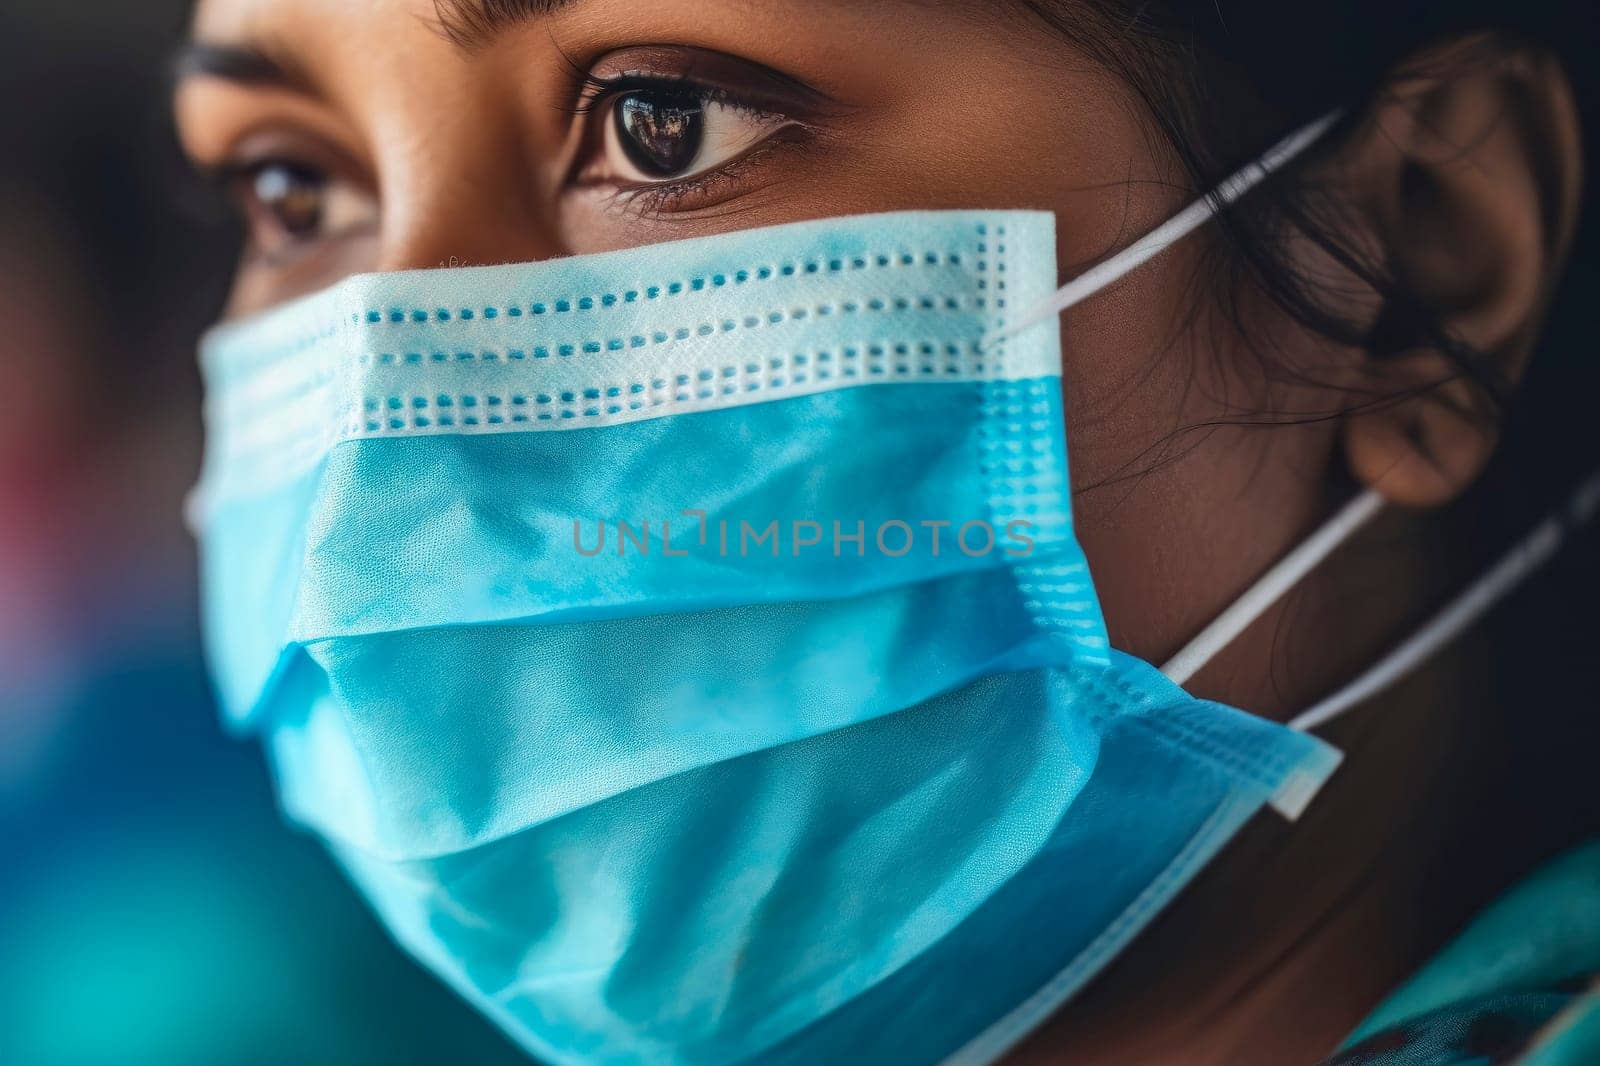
464 195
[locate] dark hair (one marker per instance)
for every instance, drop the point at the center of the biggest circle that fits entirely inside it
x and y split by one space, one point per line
1220 82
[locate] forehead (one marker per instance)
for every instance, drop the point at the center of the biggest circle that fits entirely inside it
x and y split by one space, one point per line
327 38
232 19
366 53
374 62
788 24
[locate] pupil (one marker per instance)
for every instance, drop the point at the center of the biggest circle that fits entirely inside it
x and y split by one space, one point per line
660 132
293 197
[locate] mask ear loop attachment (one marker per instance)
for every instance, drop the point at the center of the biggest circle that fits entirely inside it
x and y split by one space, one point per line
1526 557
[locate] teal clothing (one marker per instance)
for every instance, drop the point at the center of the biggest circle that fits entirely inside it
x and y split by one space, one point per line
1520 986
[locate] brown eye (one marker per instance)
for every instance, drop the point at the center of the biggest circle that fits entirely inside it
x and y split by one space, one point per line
291 196
656 135
290 206
660 132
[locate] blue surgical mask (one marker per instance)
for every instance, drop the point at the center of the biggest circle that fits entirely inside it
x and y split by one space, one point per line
687 649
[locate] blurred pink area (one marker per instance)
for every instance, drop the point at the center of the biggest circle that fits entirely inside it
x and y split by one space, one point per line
92 551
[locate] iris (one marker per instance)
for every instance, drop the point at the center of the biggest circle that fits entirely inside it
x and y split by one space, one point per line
660 131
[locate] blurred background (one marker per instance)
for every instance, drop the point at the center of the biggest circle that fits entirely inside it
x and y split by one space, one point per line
153 906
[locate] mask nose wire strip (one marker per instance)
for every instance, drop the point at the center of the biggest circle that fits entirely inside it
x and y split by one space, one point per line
1271 586
1521 561
1171 231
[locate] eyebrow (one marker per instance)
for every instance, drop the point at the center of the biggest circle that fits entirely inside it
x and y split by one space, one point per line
470 24
243 64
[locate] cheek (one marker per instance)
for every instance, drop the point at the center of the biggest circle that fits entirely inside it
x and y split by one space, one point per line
1178 505
1126 372
257 286
600 220
1131 368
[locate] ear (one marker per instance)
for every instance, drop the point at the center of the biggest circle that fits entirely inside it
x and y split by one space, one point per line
1469 167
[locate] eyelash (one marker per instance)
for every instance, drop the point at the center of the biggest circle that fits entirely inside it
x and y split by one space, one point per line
595 92
662 198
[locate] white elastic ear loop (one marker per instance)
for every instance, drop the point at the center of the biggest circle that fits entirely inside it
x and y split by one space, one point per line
1271 586
1522 560
1171 231
1514 567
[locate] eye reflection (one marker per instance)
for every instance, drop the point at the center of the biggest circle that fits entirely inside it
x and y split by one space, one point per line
660 133
670 132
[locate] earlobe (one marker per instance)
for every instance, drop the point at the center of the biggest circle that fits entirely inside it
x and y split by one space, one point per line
1426 443
1469 171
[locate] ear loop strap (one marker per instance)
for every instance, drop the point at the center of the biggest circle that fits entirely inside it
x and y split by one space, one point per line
1500 580
1271 586
1171 231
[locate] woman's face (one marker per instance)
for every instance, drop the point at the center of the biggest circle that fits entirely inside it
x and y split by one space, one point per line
366 135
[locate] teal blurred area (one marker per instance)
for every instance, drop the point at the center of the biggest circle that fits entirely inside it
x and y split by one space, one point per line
154 907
